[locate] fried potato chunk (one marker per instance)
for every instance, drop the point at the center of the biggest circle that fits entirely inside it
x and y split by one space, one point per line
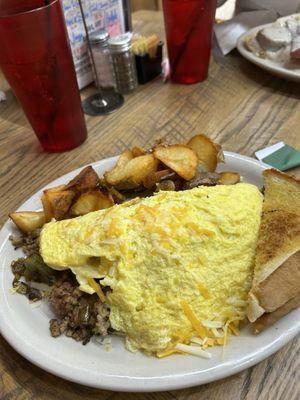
115 175
56 204
46 202
229 178
28 221
207 152
139 168
86 180
130 175
180 158
137 151
91 201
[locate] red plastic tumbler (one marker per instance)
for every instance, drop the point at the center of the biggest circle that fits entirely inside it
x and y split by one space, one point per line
36 60
188 26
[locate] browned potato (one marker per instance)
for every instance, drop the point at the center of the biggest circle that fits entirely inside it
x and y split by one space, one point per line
86 180
151 179
229 178
179 158
47 206
48 212
137 151
57 188
28 221
116 175
90 201
130 173
137 170
57 203
207 152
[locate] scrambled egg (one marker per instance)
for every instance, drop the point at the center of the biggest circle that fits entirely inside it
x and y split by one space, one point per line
169 259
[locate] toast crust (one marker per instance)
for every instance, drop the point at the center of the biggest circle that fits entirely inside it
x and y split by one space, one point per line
282 191
277 265
279 238
269 319
287 278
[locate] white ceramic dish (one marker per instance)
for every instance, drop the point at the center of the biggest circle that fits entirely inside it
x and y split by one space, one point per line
26 328
273 67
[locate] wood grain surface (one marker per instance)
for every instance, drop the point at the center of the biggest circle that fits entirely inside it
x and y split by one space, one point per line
241 107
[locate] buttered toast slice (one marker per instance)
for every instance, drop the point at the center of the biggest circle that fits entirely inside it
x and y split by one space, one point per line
276 278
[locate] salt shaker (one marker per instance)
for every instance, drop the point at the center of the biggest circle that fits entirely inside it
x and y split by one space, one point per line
123 62
101 53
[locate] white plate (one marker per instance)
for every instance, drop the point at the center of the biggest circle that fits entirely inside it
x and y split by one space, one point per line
271 66
26 329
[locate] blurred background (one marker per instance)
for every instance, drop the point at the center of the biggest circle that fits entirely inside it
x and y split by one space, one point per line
225 8
146 5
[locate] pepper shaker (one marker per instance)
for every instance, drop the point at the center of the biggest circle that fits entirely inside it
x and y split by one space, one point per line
123 63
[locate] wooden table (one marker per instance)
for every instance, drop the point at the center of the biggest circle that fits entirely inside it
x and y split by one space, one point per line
241 107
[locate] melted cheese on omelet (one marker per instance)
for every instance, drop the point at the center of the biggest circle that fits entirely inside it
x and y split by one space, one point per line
194 246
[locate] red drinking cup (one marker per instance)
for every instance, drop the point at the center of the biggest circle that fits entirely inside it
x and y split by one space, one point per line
188 26
36 60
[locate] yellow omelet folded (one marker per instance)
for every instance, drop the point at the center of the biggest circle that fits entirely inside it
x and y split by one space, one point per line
164 257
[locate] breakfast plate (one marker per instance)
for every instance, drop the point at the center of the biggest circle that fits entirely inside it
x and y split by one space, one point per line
290 71
108 365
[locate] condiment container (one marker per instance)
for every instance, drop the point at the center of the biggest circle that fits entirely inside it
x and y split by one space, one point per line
123 61
149 67
103 64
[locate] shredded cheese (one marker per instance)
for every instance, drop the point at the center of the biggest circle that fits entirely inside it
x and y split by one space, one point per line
193 350
210 342
216 333
107 345
203 291
197 341
234 329
182 337
212 324
167 352
113 228
196 324
237 302
201 231
97 289
225 339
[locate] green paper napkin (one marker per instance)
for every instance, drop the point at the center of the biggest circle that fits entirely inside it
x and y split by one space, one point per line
285 158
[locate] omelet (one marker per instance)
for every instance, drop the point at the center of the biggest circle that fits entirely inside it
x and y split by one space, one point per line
175 262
